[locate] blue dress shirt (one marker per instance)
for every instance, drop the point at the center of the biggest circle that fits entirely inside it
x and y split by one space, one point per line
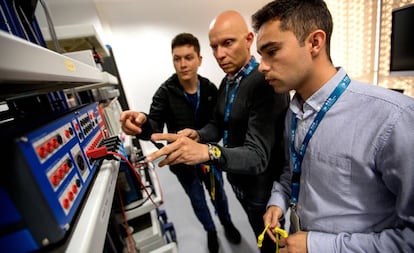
357 182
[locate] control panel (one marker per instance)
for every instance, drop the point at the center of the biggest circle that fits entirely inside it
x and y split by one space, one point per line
49 178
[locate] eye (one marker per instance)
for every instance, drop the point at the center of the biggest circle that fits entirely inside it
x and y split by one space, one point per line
272 51
228 43
189 57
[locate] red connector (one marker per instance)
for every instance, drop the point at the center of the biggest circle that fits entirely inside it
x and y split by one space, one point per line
97 153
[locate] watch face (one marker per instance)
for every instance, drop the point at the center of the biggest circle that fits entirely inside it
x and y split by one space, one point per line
216 152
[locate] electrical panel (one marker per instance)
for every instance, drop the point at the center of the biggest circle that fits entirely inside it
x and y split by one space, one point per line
48 180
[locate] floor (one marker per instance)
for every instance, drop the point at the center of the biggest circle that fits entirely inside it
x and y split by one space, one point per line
191 236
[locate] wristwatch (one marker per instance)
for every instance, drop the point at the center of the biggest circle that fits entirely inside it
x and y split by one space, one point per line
214 152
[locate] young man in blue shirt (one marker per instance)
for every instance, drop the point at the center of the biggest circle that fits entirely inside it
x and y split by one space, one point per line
349 180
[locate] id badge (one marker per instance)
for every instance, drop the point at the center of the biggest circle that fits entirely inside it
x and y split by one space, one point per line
294 220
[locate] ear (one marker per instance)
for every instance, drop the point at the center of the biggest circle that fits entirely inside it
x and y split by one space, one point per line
200 60
249 39
317 41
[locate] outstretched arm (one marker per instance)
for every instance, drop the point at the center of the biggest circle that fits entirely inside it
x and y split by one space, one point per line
131 122
181 150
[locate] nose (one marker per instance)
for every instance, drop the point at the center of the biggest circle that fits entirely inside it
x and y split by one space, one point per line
220 52
263 67
183 63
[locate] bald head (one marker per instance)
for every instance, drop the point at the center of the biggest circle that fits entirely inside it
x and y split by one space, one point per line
230 19
230 40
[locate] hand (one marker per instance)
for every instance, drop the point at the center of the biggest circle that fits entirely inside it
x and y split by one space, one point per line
131 122
181 150
272 217
190 133
294 243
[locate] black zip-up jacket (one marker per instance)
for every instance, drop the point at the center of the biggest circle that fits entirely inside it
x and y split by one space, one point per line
254 156
170 106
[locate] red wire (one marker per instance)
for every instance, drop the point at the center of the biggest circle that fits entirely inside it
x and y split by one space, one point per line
135 173
129 236
158 182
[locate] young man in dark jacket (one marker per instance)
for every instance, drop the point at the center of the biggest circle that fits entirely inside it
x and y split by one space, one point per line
187 100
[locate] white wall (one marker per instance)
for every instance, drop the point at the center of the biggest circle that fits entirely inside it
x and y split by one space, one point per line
140 34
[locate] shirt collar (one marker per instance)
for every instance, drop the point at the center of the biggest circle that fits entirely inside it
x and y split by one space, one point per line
242 71
315 102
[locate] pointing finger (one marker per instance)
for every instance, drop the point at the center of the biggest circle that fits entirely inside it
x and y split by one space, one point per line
164 137
165 151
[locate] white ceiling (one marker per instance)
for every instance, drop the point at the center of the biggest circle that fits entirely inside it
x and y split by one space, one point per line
140 33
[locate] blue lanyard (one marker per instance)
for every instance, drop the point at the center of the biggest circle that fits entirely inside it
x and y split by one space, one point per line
229 101
198 98
297 156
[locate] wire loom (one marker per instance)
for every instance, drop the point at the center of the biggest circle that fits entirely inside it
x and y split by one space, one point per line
109 149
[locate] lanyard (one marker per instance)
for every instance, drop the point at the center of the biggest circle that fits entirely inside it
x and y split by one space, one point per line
229 100
198 99
297 156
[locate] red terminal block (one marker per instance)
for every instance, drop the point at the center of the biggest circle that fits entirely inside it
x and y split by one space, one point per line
97 153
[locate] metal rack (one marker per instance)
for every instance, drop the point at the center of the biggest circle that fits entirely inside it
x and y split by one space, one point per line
151 231
27 69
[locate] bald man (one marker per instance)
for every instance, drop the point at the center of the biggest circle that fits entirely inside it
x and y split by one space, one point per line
248 119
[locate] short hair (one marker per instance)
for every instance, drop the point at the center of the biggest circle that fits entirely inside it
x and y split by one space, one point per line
299 16
183 39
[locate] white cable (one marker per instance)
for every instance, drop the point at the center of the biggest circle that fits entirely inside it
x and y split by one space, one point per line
51 27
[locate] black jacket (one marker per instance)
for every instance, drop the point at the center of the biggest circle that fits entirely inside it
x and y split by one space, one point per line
253 157
171 107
